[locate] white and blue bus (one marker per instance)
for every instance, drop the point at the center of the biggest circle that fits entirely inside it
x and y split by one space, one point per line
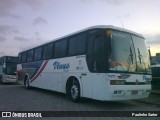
100 62
8 66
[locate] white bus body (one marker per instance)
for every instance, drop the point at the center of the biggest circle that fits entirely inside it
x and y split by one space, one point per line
87 75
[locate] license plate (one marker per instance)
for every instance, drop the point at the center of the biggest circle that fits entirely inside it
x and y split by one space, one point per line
134 92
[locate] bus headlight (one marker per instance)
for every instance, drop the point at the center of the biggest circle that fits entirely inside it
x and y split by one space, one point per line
117 82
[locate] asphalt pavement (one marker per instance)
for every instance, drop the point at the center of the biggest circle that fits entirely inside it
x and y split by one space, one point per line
154 97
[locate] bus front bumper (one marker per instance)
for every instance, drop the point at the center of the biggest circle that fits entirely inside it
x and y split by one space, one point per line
10 79
129 92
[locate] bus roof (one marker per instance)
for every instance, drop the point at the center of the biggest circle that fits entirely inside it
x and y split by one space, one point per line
89 28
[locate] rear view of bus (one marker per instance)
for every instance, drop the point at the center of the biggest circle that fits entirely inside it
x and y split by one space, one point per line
8 69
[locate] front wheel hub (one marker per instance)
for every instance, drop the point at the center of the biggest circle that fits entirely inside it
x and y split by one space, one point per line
74 91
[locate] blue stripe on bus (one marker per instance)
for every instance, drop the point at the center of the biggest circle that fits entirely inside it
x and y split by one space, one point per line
40 70
32 68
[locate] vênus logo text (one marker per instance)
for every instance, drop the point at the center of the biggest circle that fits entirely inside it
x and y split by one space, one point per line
58 65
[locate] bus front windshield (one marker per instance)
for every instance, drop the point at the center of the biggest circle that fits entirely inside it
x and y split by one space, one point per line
129 53
10 69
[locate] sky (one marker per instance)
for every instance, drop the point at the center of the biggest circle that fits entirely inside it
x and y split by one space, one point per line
28 23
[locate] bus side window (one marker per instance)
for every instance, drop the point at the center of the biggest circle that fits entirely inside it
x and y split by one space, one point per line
72 46
47 51
99 54
96 58
30 56
24 57
44 56
60 49
19 57
89 56
50 47
38 54
81 44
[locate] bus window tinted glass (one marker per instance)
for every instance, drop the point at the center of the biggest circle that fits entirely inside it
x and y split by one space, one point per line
81 44
60 48
48 51
0 61
99 53
24 57
44 52
38 53
30 56
72 46
19 58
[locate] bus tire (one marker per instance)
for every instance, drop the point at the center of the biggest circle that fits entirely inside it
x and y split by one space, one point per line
26 82
73 90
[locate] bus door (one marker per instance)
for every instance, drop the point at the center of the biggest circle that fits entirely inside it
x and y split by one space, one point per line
96 54
96 61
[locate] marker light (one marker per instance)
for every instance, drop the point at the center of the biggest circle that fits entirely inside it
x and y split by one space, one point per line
109 32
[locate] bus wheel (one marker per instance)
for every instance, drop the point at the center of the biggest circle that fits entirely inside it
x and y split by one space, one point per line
26 83
73 90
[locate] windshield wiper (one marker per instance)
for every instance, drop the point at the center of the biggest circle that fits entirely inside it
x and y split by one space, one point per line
131 54
141 60
130 59
139 56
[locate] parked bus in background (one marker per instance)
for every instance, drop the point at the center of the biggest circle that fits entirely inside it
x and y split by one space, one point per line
100 62
155 75
8 69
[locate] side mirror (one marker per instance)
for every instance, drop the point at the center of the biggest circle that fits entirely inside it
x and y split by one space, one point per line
4 67
150 57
